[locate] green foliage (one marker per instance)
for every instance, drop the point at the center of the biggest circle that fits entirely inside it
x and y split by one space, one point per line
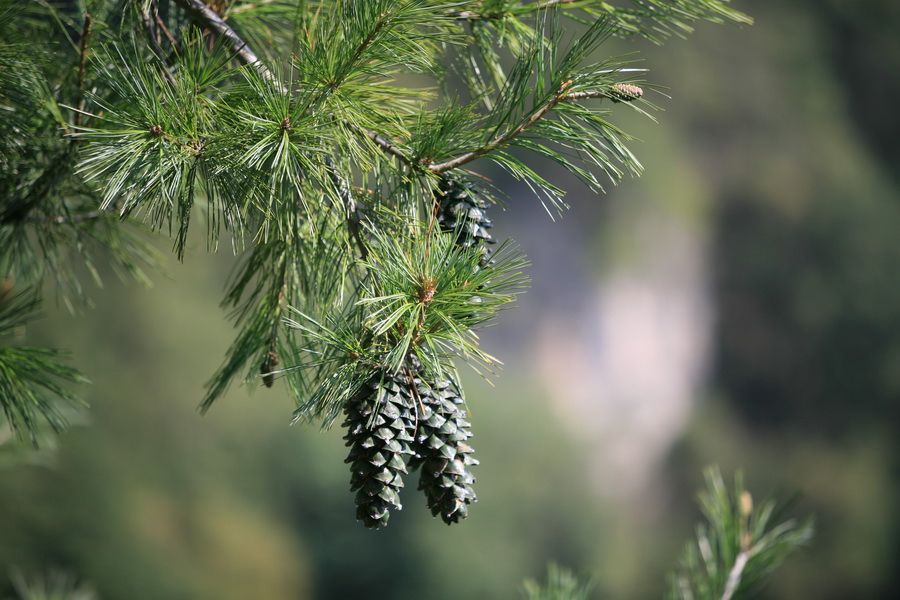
51 222
56 585
658 19
561 584
737 545
33 383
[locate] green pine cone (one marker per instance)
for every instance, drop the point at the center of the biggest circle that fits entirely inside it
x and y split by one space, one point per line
441 453
380 419
461 210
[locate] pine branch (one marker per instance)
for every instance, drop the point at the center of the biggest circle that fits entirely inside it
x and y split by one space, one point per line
618 93
736 546
386 146
734 576
471 15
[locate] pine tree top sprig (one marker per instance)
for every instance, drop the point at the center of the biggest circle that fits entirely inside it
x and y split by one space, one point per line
739 543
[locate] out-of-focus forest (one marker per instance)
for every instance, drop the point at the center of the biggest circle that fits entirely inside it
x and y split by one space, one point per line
737 305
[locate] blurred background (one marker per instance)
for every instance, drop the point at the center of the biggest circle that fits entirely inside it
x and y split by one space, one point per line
738 305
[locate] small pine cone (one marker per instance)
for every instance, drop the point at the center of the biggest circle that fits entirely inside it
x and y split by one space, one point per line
268 365
441 452
380 419
461 210
625 92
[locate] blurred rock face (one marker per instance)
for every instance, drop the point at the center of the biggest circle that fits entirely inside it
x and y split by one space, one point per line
624 370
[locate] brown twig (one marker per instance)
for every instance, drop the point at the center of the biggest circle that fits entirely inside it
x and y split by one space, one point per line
162 27
386 146
383 20
150 30
82 67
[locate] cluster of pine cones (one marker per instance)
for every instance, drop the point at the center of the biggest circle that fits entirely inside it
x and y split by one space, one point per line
396 426
397 423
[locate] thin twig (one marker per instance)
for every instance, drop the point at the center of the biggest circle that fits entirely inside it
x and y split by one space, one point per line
383 20
585 95
82 67
382 143
617 93
153 41
162 27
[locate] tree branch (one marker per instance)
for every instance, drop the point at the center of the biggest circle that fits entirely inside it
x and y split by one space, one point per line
620 92
382 143
363 45
502 140
207 17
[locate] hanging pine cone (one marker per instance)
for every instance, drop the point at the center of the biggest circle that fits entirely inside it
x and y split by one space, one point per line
460 209
380 419
441 452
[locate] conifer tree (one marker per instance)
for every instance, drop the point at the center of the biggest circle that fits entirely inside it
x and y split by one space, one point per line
338 147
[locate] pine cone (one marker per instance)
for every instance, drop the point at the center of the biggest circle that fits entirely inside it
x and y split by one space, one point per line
624 92
461 210
441 452
380 419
